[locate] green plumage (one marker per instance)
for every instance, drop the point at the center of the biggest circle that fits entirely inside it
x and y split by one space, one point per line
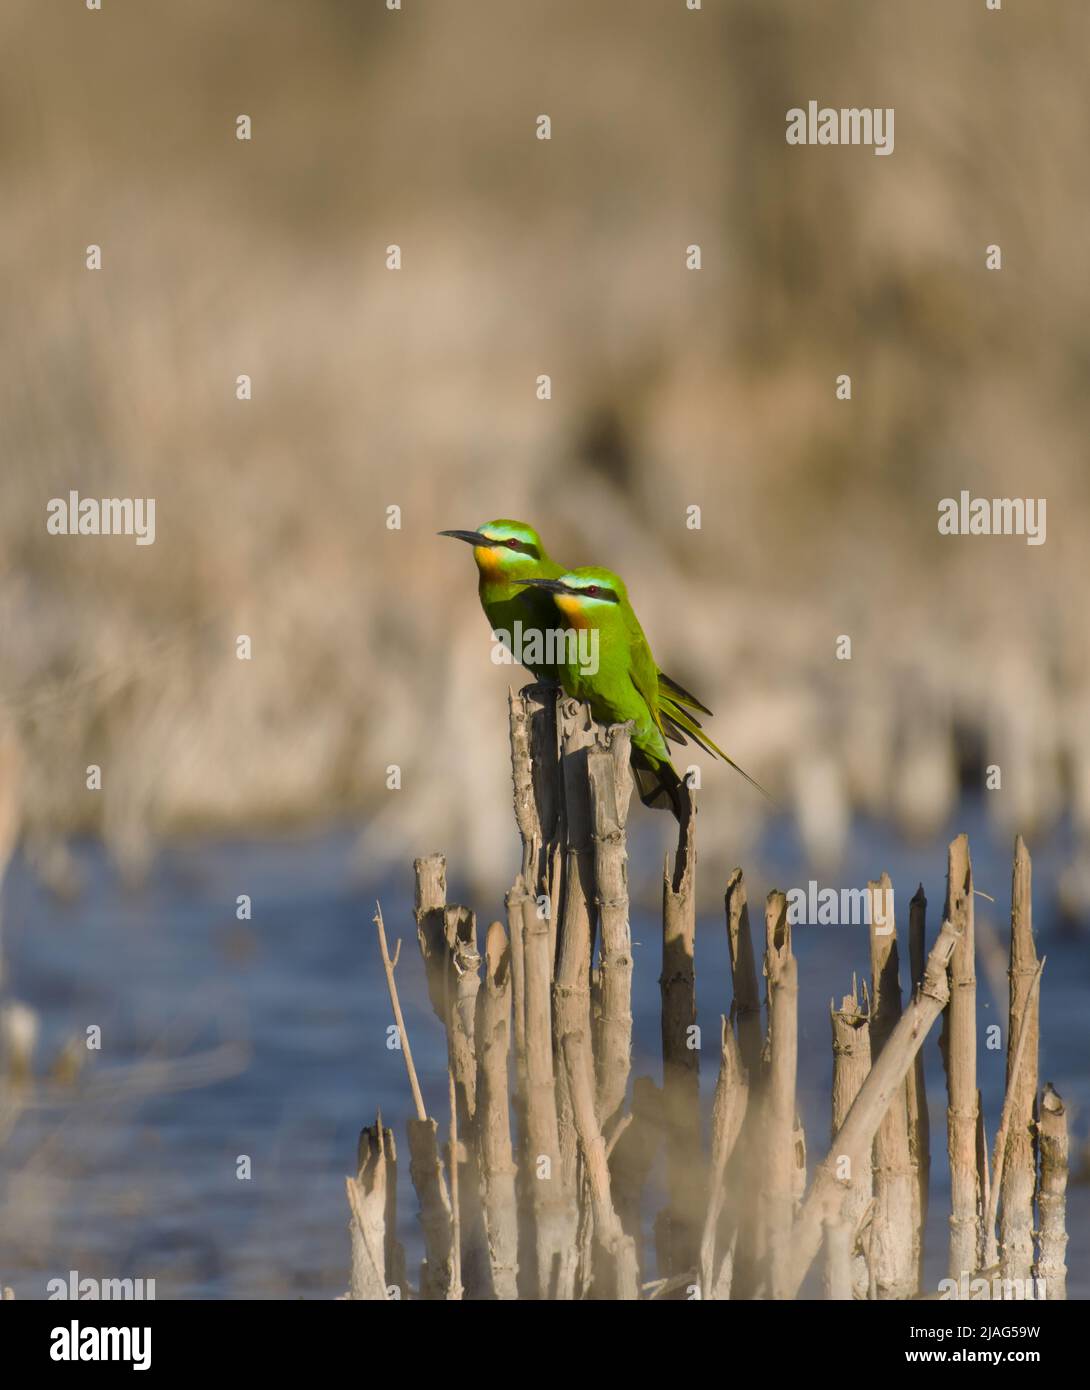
627 684
520 584
508 553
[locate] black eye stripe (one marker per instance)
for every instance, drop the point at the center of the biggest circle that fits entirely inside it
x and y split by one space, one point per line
524 547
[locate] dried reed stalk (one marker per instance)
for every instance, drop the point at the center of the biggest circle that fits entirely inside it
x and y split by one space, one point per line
430 913
1026 1033
555 1214
746 1008
895 1253
838 1279
1020 1161
959 1058
633 1153
679 1226
616 1272
425 1167
455 1290
851 1063
728 1111
426 1171
919 1122
494 1157
534 769
575 940
744 1175
377 1258
447 937
778 1192
535 779
857 1133
1051 1195
610 793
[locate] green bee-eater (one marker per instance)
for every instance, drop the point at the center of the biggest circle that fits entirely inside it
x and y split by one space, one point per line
508 553
627 683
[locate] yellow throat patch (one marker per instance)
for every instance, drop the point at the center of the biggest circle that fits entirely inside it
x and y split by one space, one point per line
573 609
488 560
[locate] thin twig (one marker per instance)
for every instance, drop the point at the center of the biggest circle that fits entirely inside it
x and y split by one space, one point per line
399 1018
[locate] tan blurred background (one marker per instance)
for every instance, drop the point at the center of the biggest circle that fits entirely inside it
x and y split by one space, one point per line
417 388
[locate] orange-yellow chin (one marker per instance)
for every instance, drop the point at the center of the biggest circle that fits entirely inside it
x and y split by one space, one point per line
488 560
573 609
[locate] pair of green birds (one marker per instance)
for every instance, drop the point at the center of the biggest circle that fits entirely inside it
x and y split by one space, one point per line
518 582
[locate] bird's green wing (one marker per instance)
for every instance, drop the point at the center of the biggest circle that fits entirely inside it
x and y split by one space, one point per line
644 673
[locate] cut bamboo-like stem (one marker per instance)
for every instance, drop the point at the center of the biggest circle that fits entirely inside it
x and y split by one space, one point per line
431 900
1052 1195
679 1227
895 1224
1020 1161
426 1171
610 793
919 1123
454 1289
851 1063
495 1160
728 1112
555 1215
462 984
746 1165
634 1153
534 774
1001 1153
746 1009
618 1249
368 1202
778 1195
838 1277
857 1134
575 938
959 1056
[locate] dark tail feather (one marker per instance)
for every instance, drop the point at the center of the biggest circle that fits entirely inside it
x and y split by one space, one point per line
658 784
686 697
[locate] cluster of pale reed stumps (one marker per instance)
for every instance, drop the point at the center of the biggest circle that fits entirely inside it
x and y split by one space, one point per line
542 1188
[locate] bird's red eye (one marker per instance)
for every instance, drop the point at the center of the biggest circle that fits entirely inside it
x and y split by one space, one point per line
593 590
511 545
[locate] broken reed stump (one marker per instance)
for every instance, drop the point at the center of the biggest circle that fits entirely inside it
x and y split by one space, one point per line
959 1058
1020 1161
895 1226
678 1228
544 1189
851 1063
1051 1195
919 1123
777 1140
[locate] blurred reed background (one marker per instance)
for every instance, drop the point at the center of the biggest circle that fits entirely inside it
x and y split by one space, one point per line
417 388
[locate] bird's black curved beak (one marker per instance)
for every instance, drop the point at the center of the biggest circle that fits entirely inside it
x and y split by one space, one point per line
551 586
470 537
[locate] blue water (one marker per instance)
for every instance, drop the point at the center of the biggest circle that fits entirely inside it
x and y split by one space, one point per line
272 1038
